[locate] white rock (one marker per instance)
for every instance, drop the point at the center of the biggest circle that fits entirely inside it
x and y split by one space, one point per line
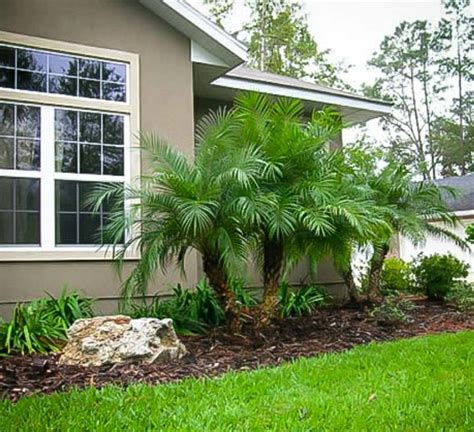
119 339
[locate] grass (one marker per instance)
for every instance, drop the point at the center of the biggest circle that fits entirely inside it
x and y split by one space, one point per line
422 384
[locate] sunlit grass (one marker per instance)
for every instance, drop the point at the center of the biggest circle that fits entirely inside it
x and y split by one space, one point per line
422 384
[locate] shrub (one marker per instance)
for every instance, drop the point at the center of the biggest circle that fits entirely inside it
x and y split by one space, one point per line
393 311
461 296
41 325
396 277
169 308
470 233
436 274
301 301
192 312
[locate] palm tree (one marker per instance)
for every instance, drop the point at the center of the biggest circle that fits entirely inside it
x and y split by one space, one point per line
409 208
359 162
182 205
301 197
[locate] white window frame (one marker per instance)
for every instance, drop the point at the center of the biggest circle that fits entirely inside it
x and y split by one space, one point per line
48 250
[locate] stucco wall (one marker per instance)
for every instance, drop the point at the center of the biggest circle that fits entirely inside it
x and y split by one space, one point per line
166 107
407 250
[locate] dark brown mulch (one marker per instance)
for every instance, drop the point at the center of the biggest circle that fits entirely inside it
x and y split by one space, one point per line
328 330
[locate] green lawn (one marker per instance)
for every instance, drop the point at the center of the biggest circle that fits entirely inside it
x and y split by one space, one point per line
423 384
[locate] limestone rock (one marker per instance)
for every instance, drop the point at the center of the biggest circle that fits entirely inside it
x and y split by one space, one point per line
119 339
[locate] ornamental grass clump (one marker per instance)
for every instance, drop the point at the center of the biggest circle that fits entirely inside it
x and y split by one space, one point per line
300 301
41 326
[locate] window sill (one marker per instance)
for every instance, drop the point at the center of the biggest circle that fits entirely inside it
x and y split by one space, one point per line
16 254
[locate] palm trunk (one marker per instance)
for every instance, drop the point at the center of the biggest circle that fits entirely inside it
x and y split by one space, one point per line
272 270
351 286
220 284
375 272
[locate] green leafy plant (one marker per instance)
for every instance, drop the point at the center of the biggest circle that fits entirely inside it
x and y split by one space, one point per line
192 311
393 311
69 306
169 308
34 328
41 325
242 296
470 233
397 277
301 301
202 303
461 296
3 336
437 274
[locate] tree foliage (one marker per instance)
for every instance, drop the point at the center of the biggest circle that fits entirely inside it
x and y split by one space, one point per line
421 66
279 40
408 206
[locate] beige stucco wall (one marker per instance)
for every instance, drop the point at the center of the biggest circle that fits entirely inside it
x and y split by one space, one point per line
166 107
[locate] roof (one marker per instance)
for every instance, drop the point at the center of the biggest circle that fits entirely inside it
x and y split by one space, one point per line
246 78
465 186
182 16
246 72
211 43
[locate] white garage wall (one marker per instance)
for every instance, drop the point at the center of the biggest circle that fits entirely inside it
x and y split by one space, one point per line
408 251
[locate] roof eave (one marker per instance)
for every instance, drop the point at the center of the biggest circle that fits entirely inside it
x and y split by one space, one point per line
198 28
358 104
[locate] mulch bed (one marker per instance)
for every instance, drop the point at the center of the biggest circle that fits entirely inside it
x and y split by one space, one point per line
327 330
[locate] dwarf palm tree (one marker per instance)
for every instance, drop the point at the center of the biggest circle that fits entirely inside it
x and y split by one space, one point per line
301 197
409 207
182 205
358 163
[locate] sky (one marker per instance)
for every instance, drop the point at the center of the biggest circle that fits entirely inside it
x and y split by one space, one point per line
353 29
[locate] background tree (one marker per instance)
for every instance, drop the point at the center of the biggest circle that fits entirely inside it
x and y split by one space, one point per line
426 70
455 155
458 63
279 40
407 60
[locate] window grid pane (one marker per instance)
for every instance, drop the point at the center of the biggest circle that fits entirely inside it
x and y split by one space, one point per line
20 137
20 211
50 72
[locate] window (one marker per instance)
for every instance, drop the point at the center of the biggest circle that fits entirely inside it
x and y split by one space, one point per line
88 145
49 72
68 118
89 142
